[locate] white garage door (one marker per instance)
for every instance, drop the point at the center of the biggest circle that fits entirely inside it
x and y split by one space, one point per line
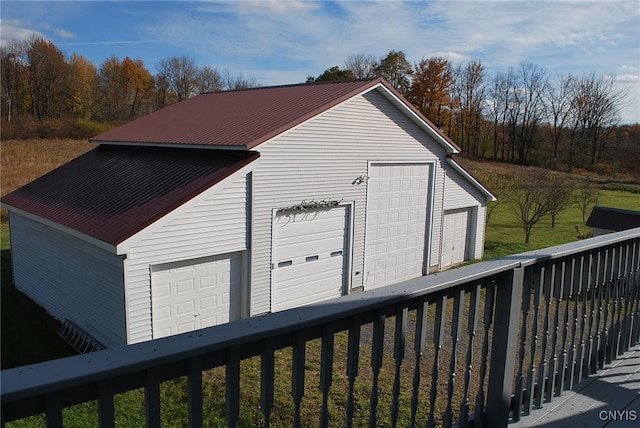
455 237
309 257
396 222
194 294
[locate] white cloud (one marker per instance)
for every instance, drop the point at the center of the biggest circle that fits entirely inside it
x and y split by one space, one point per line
65 34
16 30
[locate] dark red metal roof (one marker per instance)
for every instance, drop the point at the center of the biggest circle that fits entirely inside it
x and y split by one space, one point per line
243 118
112 192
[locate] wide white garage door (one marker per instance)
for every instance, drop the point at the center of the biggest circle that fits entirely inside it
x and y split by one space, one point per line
455 237
194 294
309 256
397 209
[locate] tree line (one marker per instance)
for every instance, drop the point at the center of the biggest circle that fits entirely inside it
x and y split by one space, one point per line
521 115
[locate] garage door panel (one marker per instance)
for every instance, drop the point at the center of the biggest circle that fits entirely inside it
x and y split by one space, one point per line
297 293
309 253
194 294
455 237
397 203
186 286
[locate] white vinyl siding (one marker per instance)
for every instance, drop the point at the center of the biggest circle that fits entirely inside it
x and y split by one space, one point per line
70 278
321 160
214 224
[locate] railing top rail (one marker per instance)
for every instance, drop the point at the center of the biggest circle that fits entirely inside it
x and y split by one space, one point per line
38 379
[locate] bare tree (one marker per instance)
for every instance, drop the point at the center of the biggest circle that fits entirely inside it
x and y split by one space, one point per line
237 82
209 79
597 103
528 96
558 111
561 189
181 74
498 106
586 197
531 199
361 65
13 63
470 92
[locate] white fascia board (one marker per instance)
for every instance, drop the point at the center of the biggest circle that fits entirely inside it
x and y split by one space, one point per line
124 246
450 149
65 229
472 179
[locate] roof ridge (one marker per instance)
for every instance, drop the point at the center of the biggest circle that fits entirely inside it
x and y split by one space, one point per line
293 85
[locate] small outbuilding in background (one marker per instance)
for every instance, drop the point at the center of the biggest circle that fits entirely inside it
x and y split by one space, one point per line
605 220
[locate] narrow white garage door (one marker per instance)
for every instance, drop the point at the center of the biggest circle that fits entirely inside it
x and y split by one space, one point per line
455 237
309 257
397 211
194 294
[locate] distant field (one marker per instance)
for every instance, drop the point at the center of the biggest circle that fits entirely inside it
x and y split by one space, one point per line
504 235
25 160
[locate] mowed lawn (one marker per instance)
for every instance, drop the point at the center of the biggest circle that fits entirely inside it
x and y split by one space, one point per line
29 335
505 236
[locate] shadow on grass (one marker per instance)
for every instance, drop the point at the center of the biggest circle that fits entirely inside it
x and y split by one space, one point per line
29 333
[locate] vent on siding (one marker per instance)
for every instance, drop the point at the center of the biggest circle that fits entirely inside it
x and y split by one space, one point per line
78 339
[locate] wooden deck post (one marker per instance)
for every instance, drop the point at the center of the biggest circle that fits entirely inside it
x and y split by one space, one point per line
503 347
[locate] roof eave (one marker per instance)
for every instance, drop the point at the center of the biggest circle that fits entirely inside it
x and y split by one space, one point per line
451 148
107 246
170 145
490 196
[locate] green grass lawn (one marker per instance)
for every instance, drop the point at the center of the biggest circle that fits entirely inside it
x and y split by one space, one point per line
504 235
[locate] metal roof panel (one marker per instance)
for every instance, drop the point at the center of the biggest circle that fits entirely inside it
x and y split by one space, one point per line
111 193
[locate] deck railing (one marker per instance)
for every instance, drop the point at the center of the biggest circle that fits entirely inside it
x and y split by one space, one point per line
481 345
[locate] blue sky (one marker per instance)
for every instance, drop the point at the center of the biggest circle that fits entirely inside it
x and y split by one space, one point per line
280 42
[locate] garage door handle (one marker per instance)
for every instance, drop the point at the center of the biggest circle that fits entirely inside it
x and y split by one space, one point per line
196 315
